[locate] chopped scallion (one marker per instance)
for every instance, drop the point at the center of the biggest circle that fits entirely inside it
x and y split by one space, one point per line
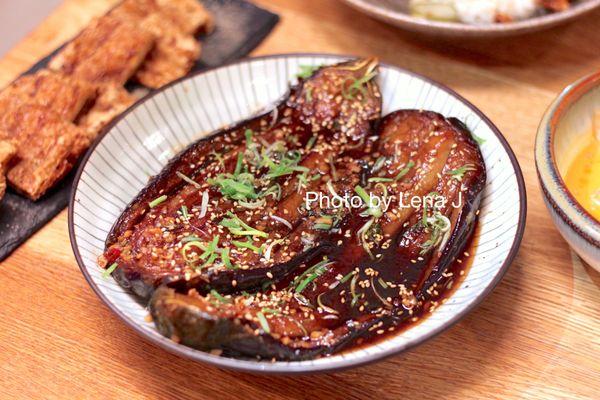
404 170
184 213
247 245
263 322
188 180
239 227
157 201
106 273
218 296
307 70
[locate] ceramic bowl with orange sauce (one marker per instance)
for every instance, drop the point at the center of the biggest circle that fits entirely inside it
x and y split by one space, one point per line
567 158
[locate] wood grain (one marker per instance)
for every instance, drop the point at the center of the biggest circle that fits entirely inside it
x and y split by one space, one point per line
536 337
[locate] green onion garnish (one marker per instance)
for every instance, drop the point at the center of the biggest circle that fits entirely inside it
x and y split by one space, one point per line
405 170
266 285
233 187
310 275
274 190
184 213
332 169
362 193
106 273
311 142
252 205
263 322
478 139
238 164
347 276
218 157
371 210
378 164
355 296
309 93
376 179
382 283
357 86
307 71
270 311
157 201
323 306
323 223
218 296
247 245
188 180
188 245
248 133
286 166
190 238
226 259
459 173
239 227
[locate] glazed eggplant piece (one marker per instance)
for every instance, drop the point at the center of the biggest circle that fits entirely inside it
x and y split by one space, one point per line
382 268
226 213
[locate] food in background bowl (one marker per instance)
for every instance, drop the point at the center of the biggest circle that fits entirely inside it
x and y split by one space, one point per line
566 156
484 11
583 175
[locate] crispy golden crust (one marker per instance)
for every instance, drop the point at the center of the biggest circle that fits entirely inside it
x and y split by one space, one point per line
172 57
134 11
173 24
47 147
7 151
109 50
111 102
62 94
8 148
189 15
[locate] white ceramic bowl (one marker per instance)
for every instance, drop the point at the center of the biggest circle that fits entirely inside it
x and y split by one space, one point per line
142 140
568 116
395 12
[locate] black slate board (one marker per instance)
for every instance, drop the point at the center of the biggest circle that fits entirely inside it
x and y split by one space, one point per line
239 27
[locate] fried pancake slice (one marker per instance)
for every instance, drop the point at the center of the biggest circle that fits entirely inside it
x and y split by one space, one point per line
8 149
62 94
112 100
172 57
108 51
47 148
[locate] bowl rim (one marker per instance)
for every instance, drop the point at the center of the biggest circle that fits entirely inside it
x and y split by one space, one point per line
288 368
423 24
552 182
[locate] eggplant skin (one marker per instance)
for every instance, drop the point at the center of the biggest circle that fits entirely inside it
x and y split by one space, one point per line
134 284
176 317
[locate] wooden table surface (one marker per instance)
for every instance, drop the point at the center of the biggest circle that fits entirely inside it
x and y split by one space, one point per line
537 336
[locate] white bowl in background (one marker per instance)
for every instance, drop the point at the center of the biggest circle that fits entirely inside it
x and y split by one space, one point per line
395 12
